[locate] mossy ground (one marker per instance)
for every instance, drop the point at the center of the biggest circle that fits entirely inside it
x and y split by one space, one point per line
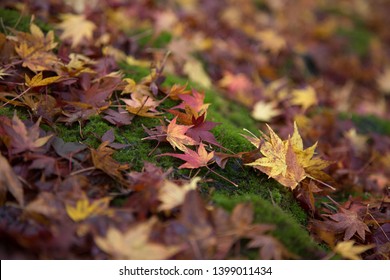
272 203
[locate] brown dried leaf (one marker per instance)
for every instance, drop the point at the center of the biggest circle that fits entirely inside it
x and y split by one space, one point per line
9 181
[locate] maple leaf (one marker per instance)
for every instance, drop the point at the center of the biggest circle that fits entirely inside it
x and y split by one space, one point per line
3 73
349 251
102 160
193 159
118 118
78 64
279 161
263 111
194 69
142 105
235 82
305 195
35 49
177 90
274 161
23 139
37 80
84 209
357 140
195 101
200 131
172 195
134 243
76 28
313 165
305 97
176 135
349 222
9 181
271 41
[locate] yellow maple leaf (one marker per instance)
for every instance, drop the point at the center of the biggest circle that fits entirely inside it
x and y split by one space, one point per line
85 209
312 165
263 111
35 49
271 41
287 161
37 80
76 28
134 244
349 251
172 195
305 97
274 159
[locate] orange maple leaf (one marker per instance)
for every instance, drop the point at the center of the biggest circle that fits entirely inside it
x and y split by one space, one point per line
193 159
176 135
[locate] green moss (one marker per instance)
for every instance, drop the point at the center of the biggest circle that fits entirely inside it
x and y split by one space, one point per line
293 236
359 39
14 19
368 123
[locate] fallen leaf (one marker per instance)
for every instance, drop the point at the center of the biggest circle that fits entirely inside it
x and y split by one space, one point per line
263 111
271 41
172 195
102 159
349 222
194 69
349 251
193 159
176 135
9 181
37 80
142 105
134 243
305 97
23 138
358 141
76 28
84 209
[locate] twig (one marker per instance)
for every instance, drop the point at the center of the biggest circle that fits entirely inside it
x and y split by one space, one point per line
219 175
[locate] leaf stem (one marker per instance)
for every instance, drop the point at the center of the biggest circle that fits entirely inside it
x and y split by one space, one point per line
319 181
219 175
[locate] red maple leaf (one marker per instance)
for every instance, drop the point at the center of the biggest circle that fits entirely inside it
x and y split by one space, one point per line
193 159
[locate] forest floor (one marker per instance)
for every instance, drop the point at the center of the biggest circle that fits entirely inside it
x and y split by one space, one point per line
192 129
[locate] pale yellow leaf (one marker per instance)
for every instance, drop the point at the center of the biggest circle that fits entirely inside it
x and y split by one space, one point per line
271 41
349 251
194 69
76 28
134 244
305 97
263 111
172 195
